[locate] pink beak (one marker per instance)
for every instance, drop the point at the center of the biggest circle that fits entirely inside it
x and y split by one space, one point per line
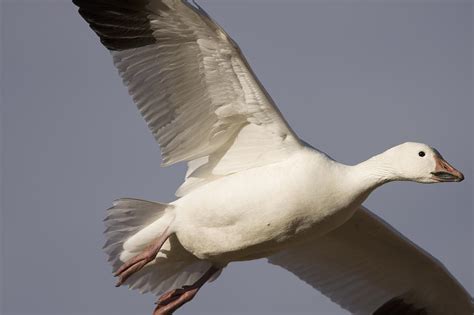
444 172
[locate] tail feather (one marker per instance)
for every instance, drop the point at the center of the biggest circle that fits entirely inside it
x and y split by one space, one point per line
126 218
126 232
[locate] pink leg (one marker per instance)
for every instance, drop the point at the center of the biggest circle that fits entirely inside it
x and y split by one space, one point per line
138 262
172 300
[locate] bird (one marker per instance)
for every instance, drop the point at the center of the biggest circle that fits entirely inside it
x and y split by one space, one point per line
253 189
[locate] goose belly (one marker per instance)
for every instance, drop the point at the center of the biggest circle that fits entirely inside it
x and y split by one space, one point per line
253 214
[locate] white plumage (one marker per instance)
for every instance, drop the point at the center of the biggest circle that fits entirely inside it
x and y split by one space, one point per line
253 189
366 262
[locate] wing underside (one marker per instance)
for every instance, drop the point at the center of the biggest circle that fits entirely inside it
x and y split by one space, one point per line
367 267
192 85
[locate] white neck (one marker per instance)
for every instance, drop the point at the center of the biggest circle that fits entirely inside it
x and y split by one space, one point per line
370 174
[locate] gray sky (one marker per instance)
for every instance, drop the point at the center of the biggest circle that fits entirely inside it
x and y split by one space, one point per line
352 79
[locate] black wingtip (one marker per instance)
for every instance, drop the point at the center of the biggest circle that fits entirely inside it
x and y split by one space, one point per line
120 24
398 306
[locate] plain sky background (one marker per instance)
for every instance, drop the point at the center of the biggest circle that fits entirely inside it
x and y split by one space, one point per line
352 78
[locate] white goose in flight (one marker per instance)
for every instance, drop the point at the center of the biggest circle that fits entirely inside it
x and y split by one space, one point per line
253 189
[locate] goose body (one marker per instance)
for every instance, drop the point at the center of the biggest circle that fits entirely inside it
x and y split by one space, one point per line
227 219
253 189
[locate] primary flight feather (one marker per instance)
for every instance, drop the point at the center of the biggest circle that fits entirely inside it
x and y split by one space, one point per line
253 189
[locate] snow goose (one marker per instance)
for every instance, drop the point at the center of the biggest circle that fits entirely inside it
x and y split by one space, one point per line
253 189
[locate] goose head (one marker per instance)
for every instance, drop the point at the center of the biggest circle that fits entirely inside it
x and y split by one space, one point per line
420 163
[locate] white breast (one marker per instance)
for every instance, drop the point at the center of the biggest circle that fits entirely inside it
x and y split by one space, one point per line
254 213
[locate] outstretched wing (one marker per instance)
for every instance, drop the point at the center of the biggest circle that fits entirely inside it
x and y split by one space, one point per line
192 85
367 267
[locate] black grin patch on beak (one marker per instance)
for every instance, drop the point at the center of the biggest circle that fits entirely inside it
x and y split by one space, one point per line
446 177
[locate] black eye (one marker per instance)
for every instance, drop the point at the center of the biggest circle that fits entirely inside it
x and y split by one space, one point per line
421 153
